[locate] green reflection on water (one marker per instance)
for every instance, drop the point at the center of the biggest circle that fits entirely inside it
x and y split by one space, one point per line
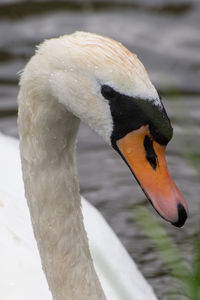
23 9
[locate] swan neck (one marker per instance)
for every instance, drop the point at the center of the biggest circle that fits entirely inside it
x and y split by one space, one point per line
48 142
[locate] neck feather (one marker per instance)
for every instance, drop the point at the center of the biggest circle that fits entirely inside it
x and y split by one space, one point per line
47 142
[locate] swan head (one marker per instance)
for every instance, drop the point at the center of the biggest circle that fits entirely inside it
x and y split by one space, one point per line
105 85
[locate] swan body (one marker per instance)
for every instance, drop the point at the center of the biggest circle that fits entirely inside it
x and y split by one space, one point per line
91 78
22 277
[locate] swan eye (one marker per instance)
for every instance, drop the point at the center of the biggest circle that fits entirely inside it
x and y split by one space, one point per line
108 92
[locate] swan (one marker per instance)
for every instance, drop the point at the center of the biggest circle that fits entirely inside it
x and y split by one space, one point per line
95 79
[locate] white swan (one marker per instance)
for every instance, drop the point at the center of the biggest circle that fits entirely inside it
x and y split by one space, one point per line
95 79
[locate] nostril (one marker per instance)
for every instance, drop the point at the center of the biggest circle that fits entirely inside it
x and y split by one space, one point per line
182 216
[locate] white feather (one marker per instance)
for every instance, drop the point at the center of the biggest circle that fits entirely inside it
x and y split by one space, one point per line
21 275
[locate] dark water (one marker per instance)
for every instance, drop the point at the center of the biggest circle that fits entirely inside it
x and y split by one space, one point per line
165 36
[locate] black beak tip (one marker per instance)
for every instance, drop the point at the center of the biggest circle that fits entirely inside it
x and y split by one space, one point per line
182 216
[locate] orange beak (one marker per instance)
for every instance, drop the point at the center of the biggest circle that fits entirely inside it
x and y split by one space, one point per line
146 159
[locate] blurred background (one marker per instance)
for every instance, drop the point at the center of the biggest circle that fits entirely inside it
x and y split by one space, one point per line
165 36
